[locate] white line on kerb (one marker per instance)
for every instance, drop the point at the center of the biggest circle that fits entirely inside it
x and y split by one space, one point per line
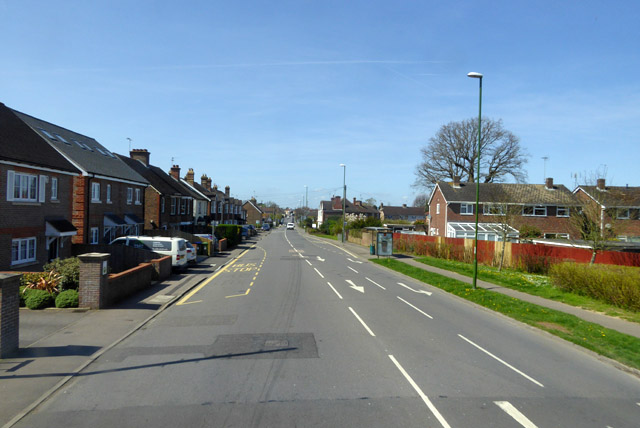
352 269
334 290
515 414
503 362
308 262
361 322
423 313
372 281
318 272
421 394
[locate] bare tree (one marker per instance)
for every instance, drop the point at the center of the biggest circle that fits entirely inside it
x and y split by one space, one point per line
506 217
453 152
421 200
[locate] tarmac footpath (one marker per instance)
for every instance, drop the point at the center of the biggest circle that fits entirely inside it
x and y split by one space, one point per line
57 344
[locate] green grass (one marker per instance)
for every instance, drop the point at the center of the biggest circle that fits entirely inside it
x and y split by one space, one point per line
537 285
320 235
604 341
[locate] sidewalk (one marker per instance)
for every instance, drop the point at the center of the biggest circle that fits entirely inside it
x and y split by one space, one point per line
56 344
623 326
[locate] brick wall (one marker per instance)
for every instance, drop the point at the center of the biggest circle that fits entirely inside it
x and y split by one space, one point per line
129 282
9 314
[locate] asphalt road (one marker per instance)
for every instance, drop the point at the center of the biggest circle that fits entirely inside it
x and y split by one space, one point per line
298 332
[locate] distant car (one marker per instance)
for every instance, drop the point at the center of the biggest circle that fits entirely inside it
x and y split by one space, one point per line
266 227
291 226
191 253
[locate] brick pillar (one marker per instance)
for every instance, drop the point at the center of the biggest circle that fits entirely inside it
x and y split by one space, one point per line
9 314
94 278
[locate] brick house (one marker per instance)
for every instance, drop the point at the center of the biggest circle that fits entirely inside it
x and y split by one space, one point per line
202 204
619 208
546 207
353 210
168 203
107 196
390 213
254 213
35 197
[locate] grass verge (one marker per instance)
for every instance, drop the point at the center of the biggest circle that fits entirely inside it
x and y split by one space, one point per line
320 235
537 285
604 341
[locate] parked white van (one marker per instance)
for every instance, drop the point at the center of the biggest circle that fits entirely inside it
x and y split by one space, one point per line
174 247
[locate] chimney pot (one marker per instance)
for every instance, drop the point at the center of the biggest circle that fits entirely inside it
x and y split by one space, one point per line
141 155
190 176
175 172
548 183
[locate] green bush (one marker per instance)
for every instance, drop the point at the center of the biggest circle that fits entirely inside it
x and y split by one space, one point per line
69 269
31 277
24 291
67 299
618 285
38 299
230 231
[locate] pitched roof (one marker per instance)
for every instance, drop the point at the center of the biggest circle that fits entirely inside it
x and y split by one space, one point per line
403 211
160 180
614 196
513 193
84 152
18 143
350 208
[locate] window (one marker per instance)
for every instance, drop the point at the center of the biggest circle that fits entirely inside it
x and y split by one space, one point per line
562 212
183 206
95 192
162 205
556 236
466 209
138 200
59 138
54 189
23 250
22 187
623 213
95 235
108 193
48 134
109 234
173 206
437 208
492 209
129 195
534 210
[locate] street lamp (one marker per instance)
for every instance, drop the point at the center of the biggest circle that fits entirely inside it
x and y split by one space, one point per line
475 243
344 198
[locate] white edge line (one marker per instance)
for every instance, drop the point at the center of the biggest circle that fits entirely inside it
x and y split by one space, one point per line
423 313
361 322
503 362
308 262
370 280
334 290
421 394
515 414
352 269
321 275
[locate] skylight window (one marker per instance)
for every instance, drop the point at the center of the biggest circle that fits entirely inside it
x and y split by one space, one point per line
50 136
109 153
60 138
100 151
88 147
82 146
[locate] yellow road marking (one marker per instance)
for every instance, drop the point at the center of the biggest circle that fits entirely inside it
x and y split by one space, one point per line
238 295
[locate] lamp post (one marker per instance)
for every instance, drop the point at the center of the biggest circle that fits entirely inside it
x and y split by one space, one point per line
475 243
344 198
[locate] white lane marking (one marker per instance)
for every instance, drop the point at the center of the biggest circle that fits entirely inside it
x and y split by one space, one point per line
428 293
320 259
370 280
361 322
321 275
352 269
421 394
515 414
334 290
503 362
638 404
355 287
308 262
354 261
423 313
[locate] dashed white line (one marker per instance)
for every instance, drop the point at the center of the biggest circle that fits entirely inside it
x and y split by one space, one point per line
352 269
318 272
334 290
361 322
308 262
422 395
372 281
423 313
503 362
515 414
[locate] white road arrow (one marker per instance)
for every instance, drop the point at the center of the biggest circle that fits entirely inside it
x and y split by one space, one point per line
355 287
428 293
320 258
354 261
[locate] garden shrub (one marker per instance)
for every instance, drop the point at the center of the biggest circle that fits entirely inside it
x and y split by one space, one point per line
24 291
67 299
617 285
69 269
38 299
231 232
31 277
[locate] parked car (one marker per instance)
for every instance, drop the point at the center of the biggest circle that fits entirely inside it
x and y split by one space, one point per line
174 247
252 230
291 226
266 227
245 232
192 257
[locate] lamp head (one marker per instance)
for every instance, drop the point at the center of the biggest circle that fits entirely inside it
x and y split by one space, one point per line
475 75
343 165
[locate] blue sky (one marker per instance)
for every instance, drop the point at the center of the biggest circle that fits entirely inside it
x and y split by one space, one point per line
270 96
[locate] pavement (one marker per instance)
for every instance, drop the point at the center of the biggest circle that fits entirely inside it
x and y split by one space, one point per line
57 344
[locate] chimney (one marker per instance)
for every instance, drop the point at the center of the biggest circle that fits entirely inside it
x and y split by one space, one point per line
337 202
175 172
601 184
226 191
203 181
209 180
190 176
404 205
141 155
381 205
456 181
548 183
